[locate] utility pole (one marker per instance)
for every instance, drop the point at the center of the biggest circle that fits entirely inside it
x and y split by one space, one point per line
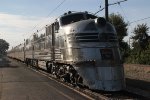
106 10
24 49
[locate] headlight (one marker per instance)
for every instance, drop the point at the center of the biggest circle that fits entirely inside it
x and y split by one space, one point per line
100 21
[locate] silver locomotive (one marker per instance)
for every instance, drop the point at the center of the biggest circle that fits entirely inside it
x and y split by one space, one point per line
79 48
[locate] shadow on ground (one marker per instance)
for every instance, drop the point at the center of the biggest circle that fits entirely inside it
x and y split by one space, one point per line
144 85
5 63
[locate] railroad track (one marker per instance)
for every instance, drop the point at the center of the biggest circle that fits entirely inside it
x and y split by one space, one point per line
95 94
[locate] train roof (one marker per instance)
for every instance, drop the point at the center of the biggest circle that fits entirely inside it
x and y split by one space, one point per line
71 17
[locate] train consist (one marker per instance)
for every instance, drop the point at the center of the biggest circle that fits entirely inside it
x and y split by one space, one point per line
79 48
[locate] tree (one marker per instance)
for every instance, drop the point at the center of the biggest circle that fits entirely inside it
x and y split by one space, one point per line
121 28
140 53
140 38
3 46
120 25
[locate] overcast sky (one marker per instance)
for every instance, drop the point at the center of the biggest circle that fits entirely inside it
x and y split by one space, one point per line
20 18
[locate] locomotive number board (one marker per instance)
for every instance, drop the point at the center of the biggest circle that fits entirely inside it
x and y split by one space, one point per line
106 54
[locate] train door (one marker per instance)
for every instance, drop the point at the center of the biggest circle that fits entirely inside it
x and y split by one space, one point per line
53 43
55 46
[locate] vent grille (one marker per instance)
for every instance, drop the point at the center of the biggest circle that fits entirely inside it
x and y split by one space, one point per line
108 37
87 37
83 37
92 37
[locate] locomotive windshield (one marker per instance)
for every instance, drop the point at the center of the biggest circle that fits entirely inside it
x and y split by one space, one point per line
72 18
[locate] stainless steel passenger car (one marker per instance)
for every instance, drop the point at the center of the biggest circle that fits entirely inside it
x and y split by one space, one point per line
80 48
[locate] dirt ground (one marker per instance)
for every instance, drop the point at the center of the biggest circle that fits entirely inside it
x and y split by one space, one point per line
137 71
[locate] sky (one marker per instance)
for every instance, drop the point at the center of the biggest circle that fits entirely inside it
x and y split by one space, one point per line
19 19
